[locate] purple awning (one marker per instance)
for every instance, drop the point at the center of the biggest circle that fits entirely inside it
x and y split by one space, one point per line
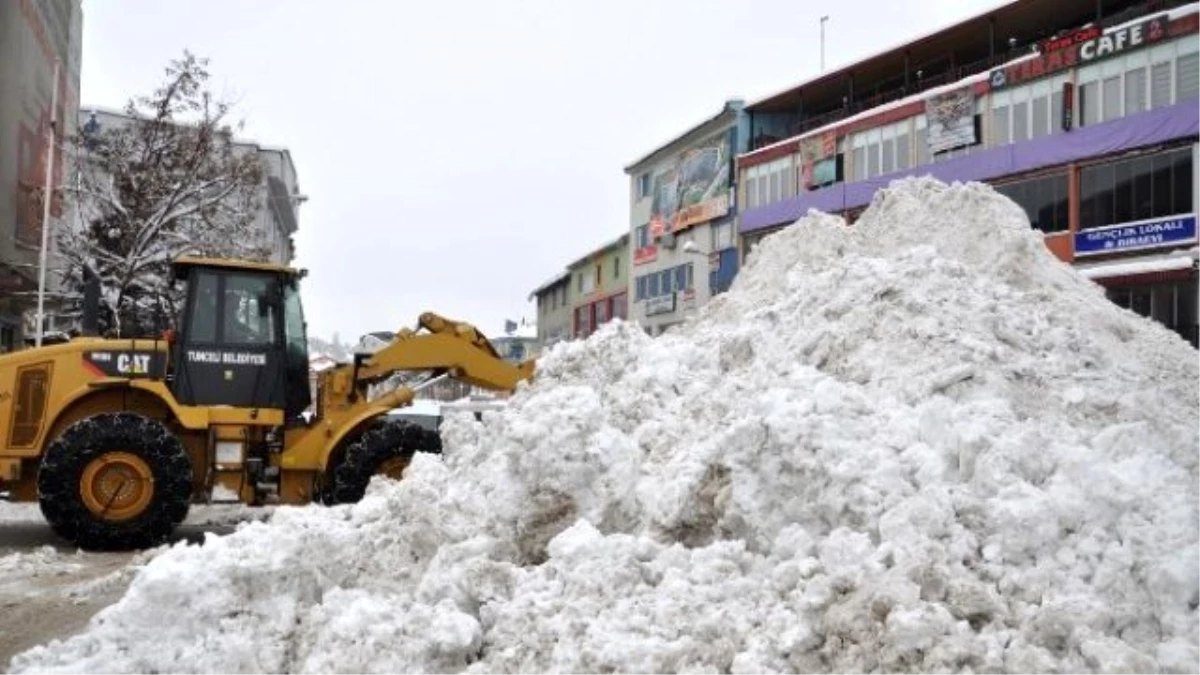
1181 120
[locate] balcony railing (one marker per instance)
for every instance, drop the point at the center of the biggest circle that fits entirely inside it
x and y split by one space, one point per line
941 77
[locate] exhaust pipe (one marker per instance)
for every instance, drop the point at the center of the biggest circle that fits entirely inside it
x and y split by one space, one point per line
90 323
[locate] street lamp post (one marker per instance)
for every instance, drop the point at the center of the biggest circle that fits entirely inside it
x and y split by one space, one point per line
823 20
46 199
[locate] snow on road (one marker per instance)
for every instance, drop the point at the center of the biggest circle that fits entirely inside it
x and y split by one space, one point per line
919 443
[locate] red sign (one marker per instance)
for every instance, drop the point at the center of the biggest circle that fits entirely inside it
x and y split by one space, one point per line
1065 41
645 254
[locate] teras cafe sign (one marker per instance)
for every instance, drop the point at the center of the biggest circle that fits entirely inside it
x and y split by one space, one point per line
1073 52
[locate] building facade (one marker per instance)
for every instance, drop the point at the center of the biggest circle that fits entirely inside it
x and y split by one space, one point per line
1090 122
279 196
554 310
682 237
34 36
600 287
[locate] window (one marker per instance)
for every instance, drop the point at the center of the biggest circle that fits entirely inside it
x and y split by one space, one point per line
1187 76
601 312
1041 117
1044 200
1160 84
1172 303
1000 130
1135 91
1089 103
617 267
1020 128
722 236
902 151
643 185
642 236
620 308
249 315
664 283
1152 186
204 311
640 289
652 285
1112 98
587 282
681 278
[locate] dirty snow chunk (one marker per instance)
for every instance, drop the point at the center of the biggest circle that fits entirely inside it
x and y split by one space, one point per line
921 443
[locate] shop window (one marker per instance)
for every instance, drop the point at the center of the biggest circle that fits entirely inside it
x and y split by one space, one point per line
1173 304
601 312
1155 186
620 306
1043 199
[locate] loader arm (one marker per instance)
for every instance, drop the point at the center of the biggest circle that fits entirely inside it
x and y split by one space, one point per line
455 347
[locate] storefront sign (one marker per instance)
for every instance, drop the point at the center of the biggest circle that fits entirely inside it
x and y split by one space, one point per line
703 212
645 254
1095 48
950 118
662 304
1146 234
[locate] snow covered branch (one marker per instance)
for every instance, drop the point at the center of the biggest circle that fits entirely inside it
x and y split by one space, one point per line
167 182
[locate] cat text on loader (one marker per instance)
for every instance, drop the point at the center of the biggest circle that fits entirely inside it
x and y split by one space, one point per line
115 438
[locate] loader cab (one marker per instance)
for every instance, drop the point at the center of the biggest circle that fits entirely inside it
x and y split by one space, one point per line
241 339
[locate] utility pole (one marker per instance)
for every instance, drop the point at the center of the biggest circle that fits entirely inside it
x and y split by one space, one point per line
46 198
823 20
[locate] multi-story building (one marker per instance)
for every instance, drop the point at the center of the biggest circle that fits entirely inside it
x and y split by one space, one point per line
34 36
682 219
600 286
278 198
1088 119
554 311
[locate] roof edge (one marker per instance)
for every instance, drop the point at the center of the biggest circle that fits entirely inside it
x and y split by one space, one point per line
732 107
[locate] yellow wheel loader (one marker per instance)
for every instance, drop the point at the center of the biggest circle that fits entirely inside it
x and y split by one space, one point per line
116 438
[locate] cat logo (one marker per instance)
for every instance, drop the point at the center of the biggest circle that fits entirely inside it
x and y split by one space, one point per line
133 364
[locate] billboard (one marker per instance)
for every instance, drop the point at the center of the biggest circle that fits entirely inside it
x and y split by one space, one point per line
692 187
950 119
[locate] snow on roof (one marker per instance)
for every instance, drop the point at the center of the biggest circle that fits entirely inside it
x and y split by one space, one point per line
731 105
556 279
613 243
1179 260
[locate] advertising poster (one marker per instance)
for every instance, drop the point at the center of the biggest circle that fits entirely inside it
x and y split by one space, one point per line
691 189
950 119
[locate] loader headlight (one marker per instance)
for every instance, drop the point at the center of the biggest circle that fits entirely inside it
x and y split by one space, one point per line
229 452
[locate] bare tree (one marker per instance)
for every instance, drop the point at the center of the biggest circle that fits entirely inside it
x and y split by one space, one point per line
167 181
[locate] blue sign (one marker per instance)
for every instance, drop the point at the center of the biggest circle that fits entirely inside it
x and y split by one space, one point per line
1137 236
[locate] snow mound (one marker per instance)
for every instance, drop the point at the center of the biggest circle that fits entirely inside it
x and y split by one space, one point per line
920 443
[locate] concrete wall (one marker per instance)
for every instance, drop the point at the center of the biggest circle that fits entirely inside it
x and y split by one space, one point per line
33 35
554 305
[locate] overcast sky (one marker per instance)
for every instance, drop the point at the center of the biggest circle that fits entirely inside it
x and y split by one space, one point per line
457 154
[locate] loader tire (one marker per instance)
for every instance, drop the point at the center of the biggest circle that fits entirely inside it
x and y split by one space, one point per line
115 482
384 448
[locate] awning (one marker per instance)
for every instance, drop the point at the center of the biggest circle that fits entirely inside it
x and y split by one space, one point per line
1123 268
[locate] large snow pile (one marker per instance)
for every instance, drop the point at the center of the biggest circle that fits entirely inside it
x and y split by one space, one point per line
919 443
